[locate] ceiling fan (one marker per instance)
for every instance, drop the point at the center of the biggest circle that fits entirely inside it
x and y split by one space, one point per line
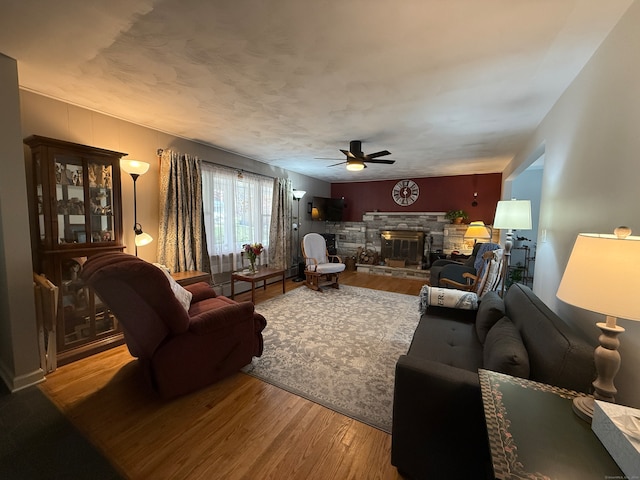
356 159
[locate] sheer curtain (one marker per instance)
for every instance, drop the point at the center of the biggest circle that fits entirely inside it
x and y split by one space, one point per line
280 232
182 242
237 210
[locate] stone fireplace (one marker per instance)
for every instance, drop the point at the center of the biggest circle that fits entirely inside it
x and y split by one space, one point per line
402 248
353 237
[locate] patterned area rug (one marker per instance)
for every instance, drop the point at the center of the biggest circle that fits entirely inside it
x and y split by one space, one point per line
338 348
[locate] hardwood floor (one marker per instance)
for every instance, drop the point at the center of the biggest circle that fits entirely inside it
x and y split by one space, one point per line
239 428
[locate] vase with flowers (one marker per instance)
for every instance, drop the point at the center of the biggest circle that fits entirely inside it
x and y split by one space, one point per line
253 251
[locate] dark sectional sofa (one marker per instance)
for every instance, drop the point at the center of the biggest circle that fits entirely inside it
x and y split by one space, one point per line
439 430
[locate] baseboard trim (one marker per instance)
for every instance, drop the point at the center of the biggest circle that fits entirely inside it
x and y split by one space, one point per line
19 382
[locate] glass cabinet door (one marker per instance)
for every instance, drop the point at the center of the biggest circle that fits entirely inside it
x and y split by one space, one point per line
101 202
70 201
84 315
42 234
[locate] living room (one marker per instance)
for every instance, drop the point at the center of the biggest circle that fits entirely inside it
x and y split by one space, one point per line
588 140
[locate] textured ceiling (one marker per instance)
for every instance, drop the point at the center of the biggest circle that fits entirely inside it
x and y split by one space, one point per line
449 87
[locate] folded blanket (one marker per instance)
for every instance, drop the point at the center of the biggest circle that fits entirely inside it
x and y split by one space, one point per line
447 297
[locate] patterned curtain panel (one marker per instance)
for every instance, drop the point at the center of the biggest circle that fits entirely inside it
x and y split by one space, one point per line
281 228
182 243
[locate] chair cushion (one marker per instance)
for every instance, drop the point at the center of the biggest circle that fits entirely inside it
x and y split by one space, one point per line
490 310
324 268
315 246
504 351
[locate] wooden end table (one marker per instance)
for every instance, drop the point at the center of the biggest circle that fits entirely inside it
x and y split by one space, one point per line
262 275
534 434
188 278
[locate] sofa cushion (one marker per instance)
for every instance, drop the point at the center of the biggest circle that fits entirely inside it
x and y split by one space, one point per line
490 310
557 355
504 351
447 341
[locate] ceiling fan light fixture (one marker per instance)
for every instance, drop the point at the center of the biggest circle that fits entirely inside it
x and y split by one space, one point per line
355 165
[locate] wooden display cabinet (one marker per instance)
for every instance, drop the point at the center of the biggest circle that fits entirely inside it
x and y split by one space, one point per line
75 212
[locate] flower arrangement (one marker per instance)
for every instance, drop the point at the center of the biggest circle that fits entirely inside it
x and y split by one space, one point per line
253 250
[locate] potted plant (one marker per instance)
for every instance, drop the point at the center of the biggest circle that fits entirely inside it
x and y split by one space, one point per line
456 216
515 274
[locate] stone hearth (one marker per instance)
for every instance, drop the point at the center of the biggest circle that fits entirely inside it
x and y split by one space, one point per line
399 272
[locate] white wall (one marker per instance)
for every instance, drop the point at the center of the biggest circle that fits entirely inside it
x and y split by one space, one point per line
591 176
19 360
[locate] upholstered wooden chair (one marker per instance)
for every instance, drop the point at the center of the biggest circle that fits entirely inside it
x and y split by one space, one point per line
489 276
321 269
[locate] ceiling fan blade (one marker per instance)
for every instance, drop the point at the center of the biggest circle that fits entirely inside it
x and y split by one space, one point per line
348 153
341 163
325 158
381 153
386 162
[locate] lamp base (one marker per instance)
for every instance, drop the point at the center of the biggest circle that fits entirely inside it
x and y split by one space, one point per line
301 276
583 407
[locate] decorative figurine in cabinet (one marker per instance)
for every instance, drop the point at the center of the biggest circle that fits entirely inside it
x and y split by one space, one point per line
76 212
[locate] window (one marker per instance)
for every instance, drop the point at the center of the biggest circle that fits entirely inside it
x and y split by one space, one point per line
237 209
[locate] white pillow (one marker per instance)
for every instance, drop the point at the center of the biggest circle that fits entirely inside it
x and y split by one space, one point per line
183 295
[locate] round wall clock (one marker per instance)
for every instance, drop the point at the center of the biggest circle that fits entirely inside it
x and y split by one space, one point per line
405 192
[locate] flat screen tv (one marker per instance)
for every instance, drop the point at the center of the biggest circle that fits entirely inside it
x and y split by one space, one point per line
327 209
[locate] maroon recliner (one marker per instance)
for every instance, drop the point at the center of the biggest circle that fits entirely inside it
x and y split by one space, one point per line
179 351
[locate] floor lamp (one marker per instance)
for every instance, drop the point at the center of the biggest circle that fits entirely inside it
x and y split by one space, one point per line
599 278
136 168
297 195
511 215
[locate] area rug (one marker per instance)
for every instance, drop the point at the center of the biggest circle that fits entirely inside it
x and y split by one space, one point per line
338 348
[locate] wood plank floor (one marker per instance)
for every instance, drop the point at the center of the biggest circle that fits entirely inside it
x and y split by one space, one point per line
239 428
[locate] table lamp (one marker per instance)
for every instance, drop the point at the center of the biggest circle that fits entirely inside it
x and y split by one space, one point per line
511 215
599 277
136 168
478 231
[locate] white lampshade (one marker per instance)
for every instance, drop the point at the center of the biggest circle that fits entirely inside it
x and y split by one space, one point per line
143 239
355 165
477 230
298 194
600 275
513 214
134 167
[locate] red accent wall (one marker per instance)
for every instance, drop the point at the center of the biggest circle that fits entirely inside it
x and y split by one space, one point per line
437 194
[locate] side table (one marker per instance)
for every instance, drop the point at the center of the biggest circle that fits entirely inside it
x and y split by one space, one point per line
534 434
188 278
262 275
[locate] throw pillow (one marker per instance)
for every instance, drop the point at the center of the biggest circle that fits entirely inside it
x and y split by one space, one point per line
504 351
490 310
182 295
492 277
447 297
